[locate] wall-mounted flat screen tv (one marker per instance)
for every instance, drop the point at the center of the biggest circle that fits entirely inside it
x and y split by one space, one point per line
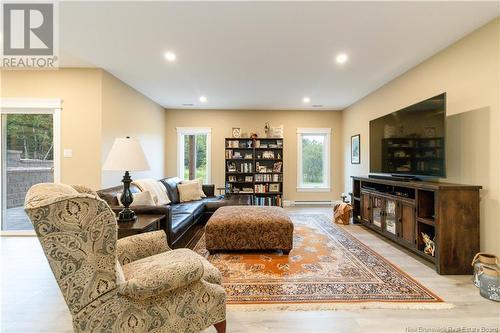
410 141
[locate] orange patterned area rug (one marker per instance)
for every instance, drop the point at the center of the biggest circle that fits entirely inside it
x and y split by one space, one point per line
327 265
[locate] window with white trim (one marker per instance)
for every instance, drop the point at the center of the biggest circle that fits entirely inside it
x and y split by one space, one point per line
193 153
313 163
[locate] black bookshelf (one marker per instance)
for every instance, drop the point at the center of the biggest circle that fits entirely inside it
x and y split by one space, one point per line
255 167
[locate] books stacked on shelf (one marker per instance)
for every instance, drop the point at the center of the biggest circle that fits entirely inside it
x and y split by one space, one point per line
269 143
240 190
261 168
268 201
238 144
267 188
234 155
240 179
246 167
261 188
269 178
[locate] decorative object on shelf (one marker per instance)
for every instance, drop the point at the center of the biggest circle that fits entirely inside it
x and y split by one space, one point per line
248 156
274 187
126 154
277 166
269 154
236 132
253 135
489 282
430 247
231 167
481 259
277 131
267 129
430 132
355 149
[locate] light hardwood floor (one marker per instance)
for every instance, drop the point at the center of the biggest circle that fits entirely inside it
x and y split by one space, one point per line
31 301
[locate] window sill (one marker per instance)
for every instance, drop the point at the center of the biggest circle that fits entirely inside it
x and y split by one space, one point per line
314 189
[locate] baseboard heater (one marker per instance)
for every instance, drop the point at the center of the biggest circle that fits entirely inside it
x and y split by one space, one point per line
308 202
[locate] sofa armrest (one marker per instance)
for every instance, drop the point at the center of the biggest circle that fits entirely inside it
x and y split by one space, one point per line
140 246
209 190
157 276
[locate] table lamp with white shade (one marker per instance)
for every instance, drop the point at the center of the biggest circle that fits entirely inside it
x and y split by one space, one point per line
126 154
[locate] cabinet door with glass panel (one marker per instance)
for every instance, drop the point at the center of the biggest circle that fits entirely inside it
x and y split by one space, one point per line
377 211
390 216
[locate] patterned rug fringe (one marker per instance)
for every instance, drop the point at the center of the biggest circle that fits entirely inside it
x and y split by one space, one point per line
340 306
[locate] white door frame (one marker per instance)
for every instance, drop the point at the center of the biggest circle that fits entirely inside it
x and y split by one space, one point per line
34 106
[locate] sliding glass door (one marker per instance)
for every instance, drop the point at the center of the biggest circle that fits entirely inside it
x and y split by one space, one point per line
27 151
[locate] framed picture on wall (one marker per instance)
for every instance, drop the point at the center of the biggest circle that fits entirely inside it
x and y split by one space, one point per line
355 149
236 132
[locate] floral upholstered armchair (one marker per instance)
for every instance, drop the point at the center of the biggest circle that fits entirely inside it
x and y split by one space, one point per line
136 284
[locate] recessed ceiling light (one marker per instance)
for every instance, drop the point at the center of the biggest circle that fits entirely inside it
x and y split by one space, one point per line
203 99
341 58
306 100
170 56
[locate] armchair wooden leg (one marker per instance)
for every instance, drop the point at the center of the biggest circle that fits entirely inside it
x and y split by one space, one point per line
220 327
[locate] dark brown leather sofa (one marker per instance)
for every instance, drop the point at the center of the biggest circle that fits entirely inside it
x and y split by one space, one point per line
182 220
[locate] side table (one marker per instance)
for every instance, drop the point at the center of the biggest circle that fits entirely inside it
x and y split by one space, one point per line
144 223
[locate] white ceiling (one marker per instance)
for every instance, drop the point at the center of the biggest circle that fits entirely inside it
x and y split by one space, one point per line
261 55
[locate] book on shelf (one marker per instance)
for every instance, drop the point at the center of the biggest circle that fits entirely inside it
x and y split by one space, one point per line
261 188
276 143
268 178
267 188
246 167
239 144
268 201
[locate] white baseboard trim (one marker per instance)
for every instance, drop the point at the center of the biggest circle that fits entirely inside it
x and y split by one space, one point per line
291 203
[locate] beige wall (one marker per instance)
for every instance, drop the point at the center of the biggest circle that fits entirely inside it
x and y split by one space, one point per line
222 122
96 108
80 90
468 72
126 112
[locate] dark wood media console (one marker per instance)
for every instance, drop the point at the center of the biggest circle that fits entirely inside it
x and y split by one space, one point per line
403 210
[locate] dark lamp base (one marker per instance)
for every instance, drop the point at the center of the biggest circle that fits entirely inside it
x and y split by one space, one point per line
126 215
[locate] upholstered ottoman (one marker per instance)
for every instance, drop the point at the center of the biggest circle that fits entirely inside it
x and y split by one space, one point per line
249 228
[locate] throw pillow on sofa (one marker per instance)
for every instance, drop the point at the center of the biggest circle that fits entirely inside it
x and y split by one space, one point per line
140 199
198 181
158 191
189 191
